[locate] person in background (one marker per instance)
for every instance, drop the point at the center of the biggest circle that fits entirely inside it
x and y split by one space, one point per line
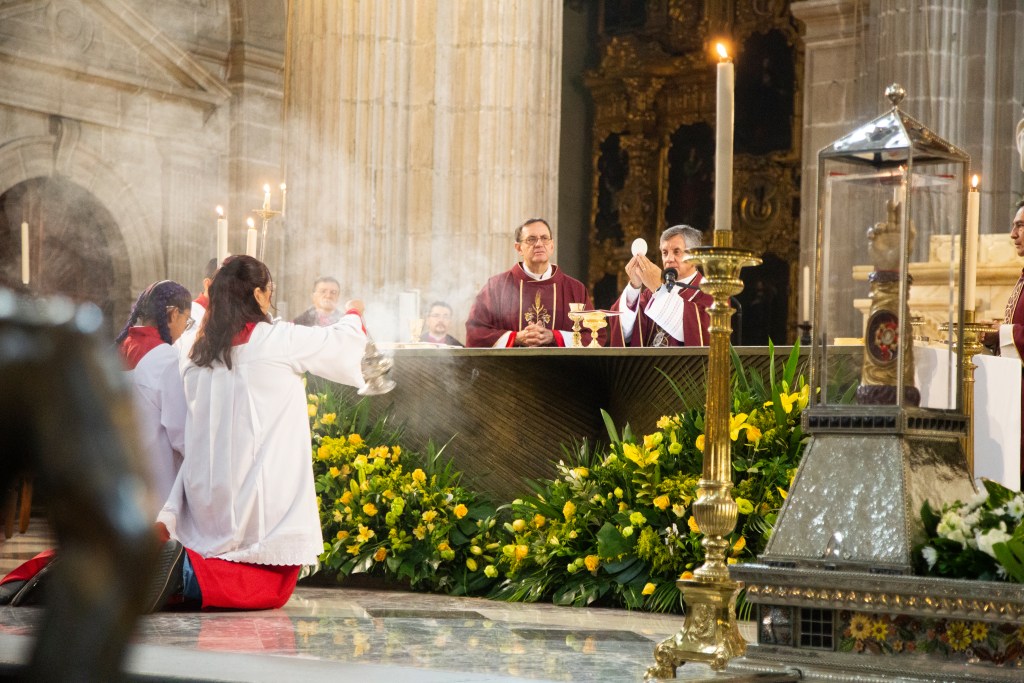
656 314
242 518
436 325
324 310
199 306
527 305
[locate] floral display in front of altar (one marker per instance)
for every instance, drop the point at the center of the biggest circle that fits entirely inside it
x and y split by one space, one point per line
979 539
614 527
389 513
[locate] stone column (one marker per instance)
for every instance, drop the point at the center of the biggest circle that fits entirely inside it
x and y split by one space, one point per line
419 135
834 29
959 62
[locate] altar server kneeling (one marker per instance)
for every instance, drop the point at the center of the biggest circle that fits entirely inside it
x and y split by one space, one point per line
242 516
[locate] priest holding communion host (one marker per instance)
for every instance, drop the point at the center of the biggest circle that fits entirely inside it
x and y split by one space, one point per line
663 307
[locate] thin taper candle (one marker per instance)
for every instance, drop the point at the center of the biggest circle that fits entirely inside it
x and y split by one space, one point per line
222 235
250 238
971 247
723 141
25 273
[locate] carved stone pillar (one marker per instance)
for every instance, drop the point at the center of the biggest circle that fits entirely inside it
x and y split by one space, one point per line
419 136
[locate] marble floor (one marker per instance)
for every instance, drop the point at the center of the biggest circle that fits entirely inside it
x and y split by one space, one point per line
379 635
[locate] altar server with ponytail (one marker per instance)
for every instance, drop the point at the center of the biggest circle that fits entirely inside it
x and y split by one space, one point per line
242 515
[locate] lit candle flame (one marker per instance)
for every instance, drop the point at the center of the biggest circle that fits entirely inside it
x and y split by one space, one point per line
283 187
220 211
250 222
974 181
723 52
266 188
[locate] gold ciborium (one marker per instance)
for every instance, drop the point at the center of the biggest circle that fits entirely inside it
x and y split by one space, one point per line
594 321
576 316
415 329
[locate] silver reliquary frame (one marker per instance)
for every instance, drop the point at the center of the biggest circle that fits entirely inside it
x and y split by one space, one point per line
888 192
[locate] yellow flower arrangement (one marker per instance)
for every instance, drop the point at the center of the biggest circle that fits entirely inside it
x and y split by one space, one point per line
460 511
592 562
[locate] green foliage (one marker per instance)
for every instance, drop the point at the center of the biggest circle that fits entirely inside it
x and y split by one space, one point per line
615 526
391 513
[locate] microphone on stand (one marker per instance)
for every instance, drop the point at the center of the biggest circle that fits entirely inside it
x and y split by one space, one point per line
669 278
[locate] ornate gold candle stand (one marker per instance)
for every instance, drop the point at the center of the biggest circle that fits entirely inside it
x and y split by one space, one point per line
972 334
709 633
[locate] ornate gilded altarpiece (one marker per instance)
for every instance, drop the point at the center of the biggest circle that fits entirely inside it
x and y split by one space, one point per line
654 141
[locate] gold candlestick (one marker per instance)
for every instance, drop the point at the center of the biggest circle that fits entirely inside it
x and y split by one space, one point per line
266 214
972 335
710 633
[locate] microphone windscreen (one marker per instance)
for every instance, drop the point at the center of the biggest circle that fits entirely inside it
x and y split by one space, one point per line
670 274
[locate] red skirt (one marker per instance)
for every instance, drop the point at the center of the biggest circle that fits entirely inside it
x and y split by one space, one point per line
237 585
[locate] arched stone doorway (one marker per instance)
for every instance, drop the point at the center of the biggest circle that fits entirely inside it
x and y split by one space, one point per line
74 244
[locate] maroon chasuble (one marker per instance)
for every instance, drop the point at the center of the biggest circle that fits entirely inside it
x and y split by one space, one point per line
512 300
647 333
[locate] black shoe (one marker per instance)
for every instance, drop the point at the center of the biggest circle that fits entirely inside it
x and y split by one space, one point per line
10 589
167 580
34 590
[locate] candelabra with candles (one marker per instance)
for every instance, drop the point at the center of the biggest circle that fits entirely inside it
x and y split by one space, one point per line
266 213
710 633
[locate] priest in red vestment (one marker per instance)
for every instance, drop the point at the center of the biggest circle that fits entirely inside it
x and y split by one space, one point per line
655 313
1007 339
527 305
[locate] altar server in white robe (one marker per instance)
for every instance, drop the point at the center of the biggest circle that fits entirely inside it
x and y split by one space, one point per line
244 505
158 319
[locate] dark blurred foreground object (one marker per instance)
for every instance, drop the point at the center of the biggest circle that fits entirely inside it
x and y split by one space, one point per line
65 415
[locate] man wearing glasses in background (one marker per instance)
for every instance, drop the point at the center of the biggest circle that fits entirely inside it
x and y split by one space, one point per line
324 311
527 305
435 330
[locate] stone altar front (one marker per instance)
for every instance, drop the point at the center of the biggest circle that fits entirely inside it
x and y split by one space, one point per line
509 412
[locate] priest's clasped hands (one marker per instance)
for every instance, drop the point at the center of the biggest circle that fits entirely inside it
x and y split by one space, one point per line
534 335
642 271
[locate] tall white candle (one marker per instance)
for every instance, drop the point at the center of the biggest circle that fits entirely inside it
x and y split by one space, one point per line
971 248
250 238
805 297
222 235
284 198
25 274
723 142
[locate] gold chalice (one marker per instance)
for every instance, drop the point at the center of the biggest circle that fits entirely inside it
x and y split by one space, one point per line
576 315
594 321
